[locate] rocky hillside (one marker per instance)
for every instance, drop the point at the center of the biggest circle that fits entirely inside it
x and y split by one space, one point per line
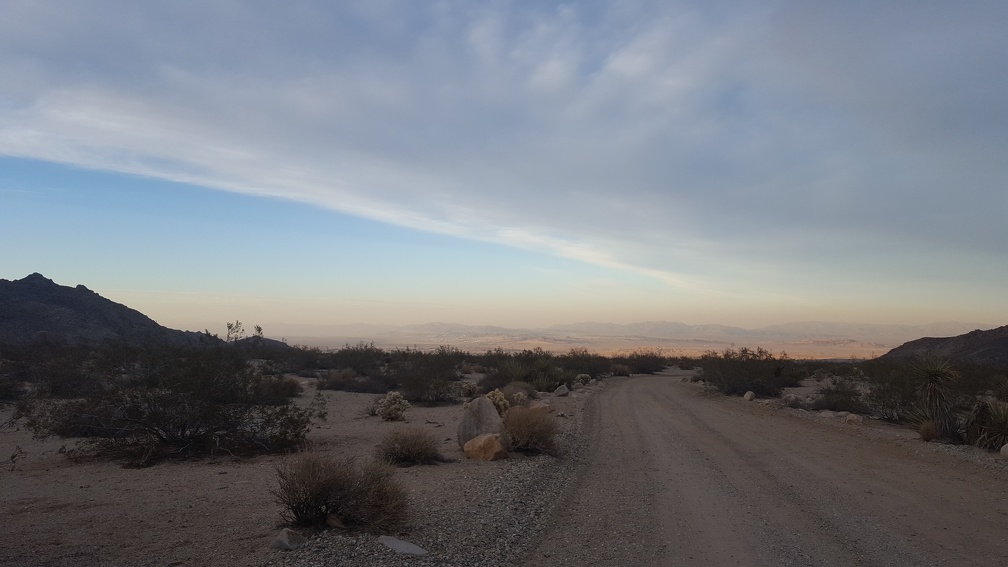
36 308
989 348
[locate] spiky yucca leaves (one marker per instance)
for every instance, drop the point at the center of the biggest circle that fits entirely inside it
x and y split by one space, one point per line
987 425
934 393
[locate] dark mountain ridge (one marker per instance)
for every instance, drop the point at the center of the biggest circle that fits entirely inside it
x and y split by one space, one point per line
37 309
987 348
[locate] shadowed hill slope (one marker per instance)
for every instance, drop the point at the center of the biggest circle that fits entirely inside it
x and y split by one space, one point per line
36 308
988 348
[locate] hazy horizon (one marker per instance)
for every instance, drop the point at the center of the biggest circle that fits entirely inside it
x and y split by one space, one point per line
521 164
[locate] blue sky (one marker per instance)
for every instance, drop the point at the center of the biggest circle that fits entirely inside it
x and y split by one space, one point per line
512 163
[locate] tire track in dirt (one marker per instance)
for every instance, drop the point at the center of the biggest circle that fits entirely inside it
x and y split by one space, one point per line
677 478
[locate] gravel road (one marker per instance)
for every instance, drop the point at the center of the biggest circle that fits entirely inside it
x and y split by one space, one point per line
678 478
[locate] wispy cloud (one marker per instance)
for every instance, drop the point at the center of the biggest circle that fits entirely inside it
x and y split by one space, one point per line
710 145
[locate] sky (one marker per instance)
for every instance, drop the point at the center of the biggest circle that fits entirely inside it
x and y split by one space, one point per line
300 165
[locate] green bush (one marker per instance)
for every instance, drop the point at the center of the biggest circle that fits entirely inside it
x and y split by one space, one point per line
177 402
840 394
320 490
734 372
407 446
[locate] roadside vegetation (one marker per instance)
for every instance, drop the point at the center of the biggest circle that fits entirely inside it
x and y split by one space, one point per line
964 404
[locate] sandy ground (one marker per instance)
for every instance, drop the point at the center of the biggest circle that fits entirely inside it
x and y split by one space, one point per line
217 511
673 478
680 478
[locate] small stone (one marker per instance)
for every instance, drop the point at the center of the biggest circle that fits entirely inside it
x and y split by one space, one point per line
749 396
400 546
334 521
561 390
853 419
288 540
1004 451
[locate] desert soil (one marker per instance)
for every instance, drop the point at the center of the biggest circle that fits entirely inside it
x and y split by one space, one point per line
676 477
656 474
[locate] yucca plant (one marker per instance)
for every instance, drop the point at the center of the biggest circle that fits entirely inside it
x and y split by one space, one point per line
987 426
934 393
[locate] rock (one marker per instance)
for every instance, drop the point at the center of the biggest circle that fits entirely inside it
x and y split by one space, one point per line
592 382
561 390
539 406
829 414
334 521
480 417
842 414
1004 451
287 540
853 419
750 396
486 447
400 546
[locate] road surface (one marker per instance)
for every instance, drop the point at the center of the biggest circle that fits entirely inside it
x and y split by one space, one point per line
678 478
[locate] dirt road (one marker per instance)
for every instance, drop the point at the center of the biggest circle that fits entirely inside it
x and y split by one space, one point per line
677 478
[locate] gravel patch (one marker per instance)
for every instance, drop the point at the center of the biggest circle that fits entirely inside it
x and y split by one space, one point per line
487 519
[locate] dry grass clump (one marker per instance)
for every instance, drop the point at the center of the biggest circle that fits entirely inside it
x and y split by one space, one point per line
316 490
531 430
928 430
406 446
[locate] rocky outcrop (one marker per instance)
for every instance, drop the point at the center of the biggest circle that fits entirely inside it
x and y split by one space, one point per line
976 347
37 309
480 418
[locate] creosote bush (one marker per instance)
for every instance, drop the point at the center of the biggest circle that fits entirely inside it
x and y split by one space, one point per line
318 489
406 446
734 372
177 403
531 430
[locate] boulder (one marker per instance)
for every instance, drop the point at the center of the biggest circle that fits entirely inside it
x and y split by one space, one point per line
480 417
486 447
539 406
561 390
749 396
287 540
399 546
1004 451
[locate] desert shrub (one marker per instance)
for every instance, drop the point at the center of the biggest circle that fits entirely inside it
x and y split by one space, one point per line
426 378
348 380
987 425
1000 388
392 407
186 402
891 396
840 394
407 446
643 360
499 400
466 389
512 390
531 430
581 361
318 489
928 430
362 358
734 372
621 370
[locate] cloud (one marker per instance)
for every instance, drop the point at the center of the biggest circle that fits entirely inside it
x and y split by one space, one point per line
709 145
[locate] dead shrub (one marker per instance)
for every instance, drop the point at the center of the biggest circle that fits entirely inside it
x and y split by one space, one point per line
928 430
516 393
531 430
315 489
406 446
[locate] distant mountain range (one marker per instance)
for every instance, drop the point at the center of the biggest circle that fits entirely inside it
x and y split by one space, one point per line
37 308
